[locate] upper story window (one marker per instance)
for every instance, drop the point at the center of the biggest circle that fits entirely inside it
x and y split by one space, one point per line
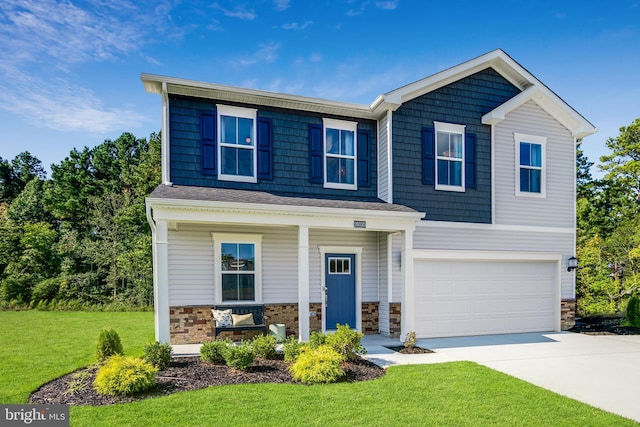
450 168
530 165
238 265
340 154
237 159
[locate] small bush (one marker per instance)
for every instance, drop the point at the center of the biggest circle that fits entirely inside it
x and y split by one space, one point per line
346 341
240 356
292 348
410 341
214 351
109 344
125 376
633 311
158 354
317 339
317 365
264 346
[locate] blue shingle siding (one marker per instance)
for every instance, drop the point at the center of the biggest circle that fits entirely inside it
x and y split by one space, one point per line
462 102
290 151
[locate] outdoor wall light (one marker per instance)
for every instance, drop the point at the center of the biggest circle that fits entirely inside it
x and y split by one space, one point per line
572 263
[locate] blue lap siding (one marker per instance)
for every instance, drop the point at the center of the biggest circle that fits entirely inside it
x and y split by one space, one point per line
463 102
290 151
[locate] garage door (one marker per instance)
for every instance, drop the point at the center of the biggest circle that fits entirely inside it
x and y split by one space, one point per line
459 298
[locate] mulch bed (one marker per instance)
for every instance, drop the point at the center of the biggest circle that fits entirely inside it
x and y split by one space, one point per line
415 350
184 374
603 326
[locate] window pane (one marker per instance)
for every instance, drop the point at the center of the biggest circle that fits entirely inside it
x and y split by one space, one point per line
229 160
525 154
246 287
246 254
443 144
536 155
229 256
346 171
536 181
228 132
333 141
455 173
230 287
346 148
443 172
524 180
332 265
245 162
456 145
333 169
245 131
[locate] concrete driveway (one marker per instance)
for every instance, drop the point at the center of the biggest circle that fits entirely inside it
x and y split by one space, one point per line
602 371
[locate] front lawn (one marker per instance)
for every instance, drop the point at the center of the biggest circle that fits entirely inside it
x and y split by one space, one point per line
38 346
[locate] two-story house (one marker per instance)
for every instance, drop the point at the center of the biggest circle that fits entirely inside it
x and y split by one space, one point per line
446 207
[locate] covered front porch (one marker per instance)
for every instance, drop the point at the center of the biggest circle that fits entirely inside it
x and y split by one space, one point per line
297 242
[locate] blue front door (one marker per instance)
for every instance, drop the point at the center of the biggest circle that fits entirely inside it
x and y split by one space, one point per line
340 282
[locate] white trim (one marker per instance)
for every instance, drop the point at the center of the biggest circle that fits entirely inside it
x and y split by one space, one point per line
303 283
245 113
535 139
164 138
350 250
340 125
390 154
495 227
389 269
493 174
256 240
161 278
450 128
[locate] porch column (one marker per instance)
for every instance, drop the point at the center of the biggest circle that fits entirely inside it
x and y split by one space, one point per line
407 316
161 282
303 282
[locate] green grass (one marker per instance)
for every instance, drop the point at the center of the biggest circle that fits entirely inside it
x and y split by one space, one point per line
38 346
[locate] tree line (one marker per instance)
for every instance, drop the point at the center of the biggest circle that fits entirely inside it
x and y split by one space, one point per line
80 239
608 227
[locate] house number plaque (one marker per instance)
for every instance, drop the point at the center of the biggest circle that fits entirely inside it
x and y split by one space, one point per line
359 224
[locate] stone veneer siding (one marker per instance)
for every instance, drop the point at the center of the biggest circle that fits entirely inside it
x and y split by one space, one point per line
194 324
394 319
567 314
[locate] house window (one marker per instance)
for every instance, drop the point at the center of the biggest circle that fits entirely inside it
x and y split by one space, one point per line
530 165
238 266
339 265
340 153
449 156
237 160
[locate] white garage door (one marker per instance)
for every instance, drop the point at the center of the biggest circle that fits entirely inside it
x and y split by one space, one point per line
459 298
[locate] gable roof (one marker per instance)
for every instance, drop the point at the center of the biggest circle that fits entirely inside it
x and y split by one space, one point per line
532 90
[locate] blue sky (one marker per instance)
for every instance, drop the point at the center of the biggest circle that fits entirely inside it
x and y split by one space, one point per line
70 70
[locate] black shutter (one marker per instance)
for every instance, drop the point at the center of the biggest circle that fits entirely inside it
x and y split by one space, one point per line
470 160
316 154
428 156
363 159
208 143
264 147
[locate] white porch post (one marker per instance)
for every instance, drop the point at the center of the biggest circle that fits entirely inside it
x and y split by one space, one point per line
303 282
407 316
161 285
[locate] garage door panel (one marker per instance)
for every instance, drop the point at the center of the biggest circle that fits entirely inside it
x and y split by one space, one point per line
457 298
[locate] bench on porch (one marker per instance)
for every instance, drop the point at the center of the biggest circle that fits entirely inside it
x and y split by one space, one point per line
259 320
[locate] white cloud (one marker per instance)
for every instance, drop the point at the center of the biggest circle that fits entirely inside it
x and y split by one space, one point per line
387 5
296 26
282 5
239 12
267 52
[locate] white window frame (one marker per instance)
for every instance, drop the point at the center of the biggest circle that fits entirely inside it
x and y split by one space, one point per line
456 129
340 125
256 240
246 113
532 139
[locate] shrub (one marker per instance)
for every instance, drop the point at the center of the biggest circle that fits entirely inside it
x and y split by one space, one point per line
214 351
346 341
410 341
158 354
125 376
633 311
264 346
317 365
240 356
317 339
109 344
292 348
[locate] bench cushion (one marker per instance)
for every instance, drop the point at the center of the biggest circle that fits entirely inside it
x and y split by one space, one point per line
243 319
223 317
